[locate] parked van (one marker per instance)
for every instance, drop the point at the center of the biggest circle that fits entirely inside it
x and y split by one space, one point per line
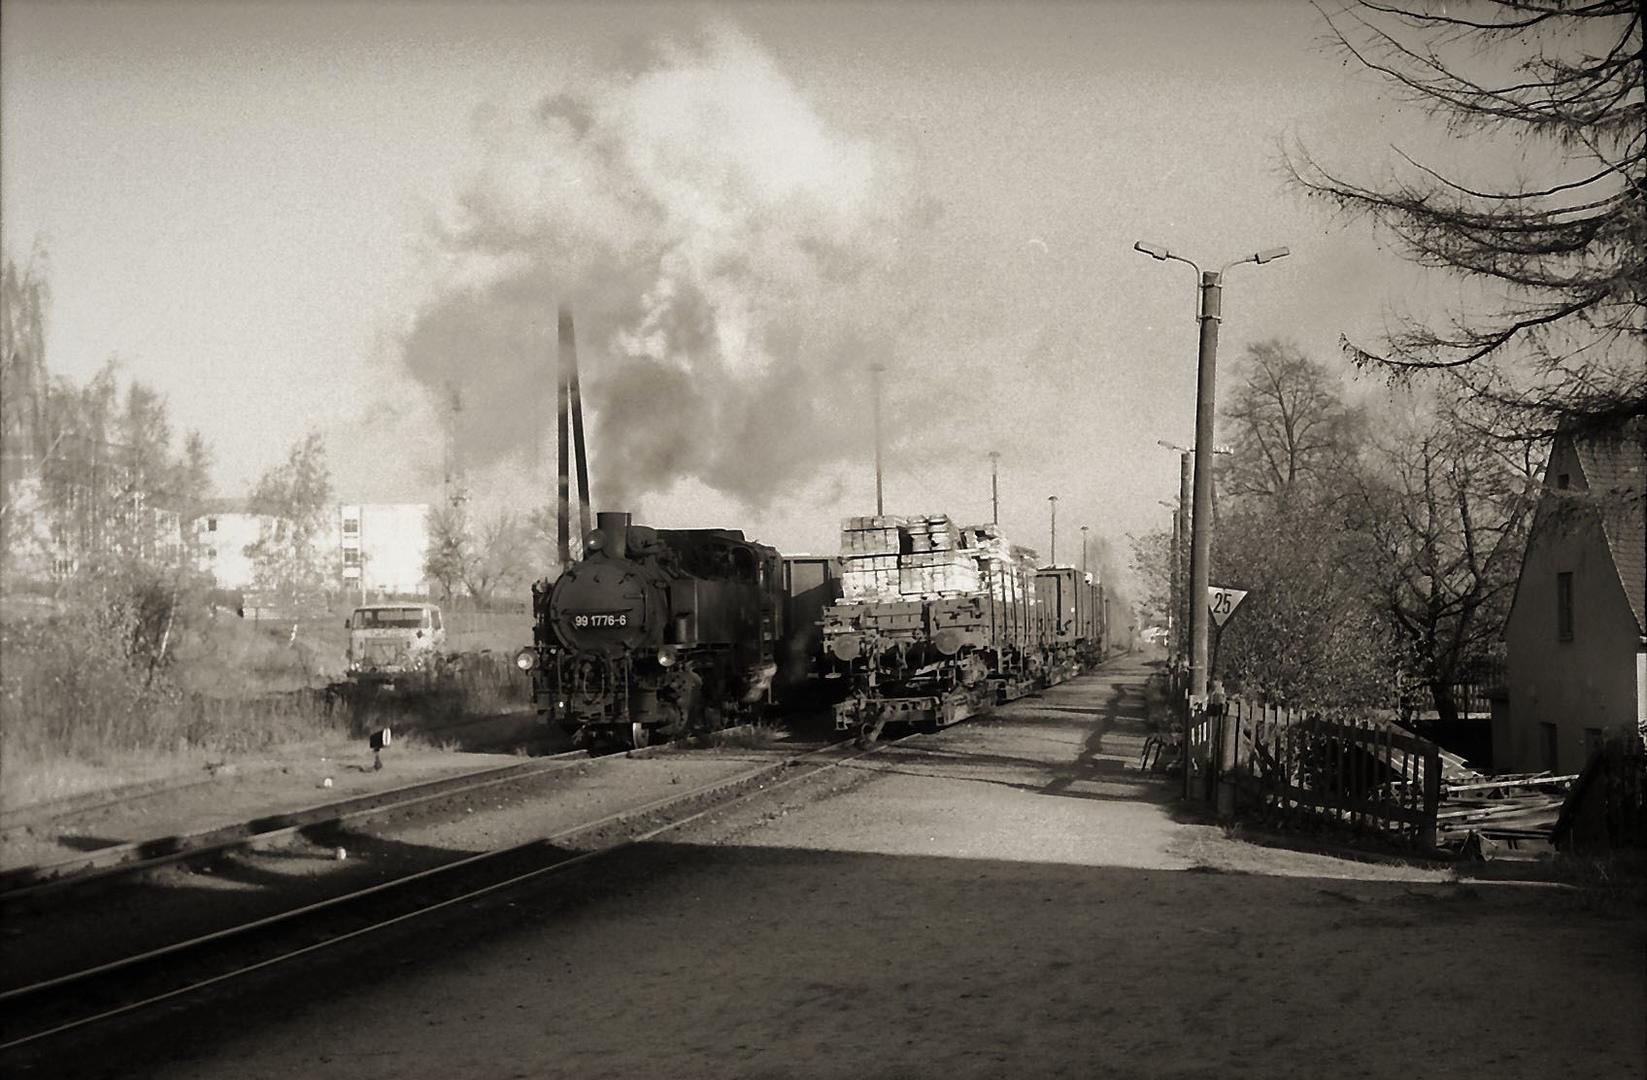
389 642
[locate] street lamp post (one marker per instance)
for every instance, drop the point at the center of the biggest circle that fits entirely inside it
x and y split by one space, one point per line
1210 315
1052 558
995 486
875 372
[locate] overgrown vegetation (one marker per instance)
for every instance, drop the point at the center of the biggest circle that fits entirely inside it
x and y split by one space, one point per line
1379 542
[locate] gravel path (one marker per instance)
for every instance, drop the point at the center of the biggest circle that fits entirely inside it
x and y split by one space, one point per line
1012 899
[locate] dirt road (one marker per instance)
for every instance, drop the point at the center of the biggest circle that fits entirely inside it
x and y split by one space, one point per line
1011 899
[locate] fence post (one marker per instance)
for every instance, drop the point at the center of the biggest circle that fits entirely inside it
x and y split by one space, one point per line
1432 795
1227 751
1189 748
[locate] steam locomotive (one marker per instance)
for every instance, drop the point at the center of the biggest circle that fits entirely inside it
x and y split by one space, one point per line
656 633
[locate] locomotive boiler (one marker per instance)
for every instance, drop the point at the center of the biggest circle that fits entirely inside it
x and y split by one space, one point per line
655 633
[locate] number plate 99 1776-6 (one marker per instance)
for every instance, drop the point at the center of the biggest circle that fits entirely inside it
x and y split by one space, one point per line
600 620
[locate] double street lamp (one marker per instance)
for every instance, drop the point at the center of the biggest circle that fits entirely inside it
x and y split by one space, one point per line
1209 316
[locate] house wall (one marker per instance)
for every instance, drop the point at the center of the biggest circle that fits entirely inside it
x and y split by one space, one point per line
391 540
1588 682
221 542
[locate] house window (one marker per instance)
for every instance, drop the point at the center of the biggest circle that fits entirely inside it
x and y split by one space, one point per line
351 556
1563 480
211 524
1551 747
1592 742
351 526
1564 607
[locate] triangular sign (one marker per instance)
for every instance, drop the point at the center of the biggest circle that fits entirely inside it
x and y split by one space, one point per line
1223 602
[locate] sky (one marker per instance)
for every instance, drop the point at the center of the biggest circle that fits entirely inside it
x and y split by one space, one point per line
291 217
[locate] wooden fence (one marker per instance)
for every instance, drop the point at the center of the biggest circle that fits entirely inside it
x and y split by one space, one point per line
1362 775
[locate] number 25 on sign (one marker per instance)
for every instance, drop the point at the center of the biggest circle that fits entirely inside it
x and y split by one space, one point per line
1223 602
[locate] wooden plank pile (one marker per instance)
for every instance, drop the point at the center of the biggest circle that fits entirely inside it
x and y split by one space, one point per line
869 557
1486 814
892 558
1005 570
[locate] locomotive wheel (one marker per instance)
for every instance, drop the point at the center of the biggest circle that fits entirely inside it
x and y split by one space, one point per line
640 736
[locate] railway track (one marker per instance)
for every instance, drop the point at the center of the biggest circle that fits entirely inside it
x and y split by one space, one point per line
42 883
39 1012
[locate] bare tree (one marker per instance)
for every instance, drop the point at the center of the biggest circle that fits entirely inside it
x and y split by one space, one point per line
1291 432
500 557
448 552
1443 515
1565 253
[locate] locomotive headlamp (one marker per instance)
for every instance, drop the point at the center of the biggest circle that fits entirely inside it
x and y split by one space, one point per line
595 541
667 655
526 659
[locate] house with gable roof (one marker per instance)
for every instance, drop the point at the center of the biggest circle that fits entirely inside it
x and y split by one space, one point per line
1576 636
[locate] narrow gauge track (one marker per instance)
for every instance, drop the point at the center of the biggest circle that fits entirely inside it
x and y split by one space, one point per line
44 1010
123 860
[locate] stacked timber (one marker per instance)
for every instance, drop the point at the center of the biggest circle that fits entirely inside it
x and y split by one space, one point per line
1005 570
869 557
891 558
937 563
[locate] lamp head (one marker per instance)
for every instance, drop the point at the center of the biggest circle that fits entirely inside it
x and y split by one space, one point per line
1271 254
1154 251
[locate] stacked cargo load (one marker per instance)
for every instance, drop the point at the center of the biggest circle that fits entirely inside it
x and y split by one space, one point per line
869 557
937 562
890 558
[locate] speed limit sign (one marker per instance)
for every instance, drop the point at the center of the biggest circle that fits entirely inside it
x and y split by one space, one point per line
1223 602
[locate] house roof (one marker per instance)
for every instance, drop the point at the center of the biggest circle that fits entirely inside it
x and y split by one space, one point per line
1614 461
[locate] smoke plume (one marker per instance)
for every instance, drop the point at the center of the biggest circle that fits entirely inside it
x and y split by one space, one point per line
729 259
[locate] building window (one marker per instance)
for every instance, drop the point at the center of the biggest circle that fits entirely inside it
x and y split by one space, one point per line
211 524
1552 746
1563 480
1593 738
1564 607
351 526
351 557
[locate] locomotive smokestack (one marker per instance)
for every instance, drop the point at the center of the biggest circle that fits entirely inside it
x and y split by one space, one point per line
615 526
563 522
569 360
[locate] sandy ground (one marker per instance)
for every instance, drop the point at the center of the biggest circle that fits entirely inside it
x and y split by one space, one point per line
1012 900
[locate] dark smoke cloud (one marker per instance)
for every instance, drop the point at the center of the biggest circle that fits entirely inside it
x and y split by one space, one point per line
727 256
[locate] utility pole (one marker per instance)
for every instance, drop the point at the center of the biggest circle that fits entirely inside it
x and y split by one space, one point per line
1209 315
875 379
1186 500
1084 548
995 486
1052 558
